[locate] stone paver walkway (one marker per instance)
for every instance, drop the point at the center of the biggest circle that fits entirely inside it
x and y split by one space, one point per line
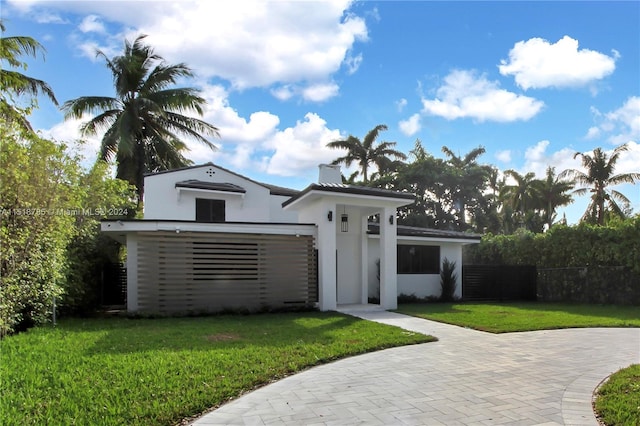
466 378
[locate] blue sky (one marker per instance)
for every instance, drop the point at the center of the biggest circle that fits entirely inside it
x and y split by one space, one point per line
532 82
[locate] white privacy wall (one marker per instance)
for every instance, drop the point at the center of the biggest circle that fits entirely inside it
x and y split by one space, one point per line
420 285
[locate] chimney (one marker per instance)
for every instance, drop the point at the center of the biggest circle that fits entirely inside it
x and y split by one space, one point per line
330 173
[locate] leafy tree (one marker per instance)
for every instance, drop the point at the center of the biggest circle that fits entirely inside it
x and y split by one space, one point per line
521 199
425 176
366 152
551 193
14 84
467 182
486 215
101 197
144 121
37 205
598 177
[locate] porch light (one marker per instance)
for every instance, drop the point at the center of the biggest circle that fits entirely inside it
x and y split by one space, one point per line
330 216
344 224
390 219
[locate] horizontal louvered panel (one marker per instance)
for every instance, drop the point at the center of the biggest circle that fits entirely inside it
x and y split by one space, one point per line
213 271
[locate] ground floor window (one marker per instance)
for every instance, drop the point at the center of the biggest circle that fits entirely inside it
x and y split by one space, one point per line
418 259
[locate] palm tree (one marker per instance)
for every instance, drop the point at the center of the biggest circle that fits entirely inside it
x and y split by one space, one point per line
14 83
366 152
469 179
598 177
521 197
552 192
143 122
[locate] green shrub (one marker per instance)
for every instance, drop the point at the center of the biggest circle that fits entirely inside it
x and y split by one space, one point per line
617 244
37 178
448 279
51 246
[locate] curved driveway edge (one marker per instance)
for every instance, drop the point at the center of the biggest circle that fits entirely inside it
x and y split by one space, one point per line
466 378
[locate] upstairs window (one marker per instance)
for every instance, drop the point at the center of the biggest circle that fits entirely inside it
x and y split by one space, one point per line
416 259
210 210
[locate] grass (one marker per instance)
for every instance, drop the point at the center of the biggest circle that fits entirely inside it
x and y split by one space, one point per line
160 371
510 317
618 399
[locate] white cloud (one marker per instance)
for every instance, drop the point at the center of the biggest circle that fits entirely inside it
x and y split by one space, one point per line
401 104
503 156
320 92
91 23
283 93
302 147
593 133
629 162
300 42
353 63
255 144
410 126
68 132
536 64
464 94
537 159
238 134
619 126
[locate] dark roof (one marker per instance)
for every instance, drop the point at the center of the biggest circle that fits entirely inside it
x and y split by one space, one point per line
213 186
413 231
273 189
350 189
180 169
280 190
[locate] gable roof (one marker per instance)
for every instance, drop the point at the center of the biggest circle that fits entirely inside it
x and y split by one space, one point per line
273 189
350 189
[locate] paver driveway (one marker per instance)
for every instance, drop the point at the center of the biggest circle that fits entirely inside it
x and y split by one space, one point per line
466 378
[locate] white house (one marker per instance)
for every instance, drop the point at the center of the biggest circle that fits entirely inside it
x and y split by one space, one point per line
212 239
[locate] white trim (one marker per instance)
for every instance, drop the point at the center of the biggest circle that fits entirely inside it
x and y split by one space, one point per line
237 228
359 200
180 189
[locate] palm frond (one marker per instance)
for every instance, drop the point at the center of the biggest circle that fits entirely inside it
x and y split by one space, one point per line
163 76
100 123
20 84
76 108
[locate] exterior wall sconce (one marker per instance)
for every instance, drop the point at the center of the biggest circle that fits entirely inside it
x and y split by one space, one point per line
390 219
344 222
330 216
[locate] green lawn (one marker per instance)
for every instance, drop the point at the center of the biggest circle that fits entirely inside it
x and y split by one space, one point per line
618 401
159 371
509 317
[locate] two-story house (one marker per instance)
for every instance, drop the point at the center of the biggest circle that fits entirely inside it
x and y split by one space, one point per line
212 239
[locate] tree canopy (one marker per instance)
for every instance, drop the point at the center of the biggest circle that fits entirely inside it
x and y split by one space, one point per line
147 121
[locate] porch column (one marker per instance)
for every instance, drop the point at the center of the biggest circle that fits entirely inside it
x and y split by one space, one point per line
327 266
132 272
388 259
364 250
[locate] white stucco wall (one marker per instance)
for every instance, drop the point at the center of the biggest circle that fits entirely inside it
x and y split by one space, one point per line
163 201
349 258
420 285
278 214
